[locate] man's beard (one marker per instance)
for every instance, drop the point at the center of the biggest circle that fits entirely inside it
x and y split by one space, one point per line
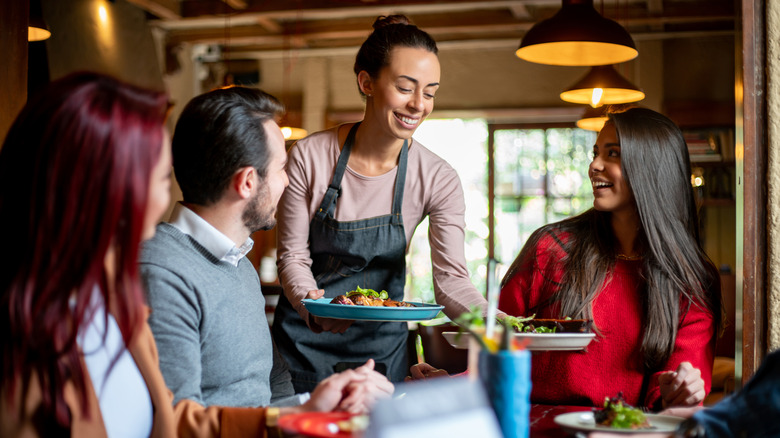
256 220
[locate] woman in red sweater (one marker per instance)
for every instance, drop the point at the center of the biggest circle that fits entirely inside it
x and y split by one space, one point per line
633 264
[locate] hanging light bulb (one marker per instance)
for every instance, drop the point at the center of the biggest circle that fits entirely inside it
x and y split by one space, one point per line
603 85
577 35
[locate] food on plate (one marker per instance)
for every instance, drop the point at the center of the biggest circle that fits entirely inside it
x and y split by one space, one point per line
620 415
531 324
368 297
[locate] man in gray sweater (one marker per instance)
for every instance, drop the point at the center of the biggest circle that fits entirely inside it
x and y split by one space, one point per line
208 312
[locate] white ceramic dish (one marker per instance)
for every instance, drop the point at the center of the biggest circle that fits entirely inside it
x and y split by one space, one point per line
536 341
574 422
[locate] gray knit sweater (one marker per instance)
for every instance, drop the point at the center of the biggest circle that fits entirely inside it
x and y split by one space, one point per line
208 319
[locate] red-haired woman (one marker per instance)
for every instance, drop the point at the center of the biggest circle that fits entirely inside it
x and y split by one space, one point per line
84 177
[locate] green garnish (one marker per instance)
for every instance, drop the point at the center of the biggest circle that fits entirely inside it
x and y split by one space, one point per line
618 414
370 293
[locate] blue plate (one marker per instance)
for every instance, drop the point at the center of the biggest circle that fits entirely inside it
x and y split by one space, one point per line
323 308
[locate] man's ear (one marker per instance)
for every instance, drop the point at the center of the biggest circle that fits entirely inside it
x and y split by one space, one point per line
244 181
365 83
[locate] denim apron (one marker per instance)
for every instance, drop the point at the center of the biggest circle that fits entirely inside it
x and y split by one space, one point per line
369 253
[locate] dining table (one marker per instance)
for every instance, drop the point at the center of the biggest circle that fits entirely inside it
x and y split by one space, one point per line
541 421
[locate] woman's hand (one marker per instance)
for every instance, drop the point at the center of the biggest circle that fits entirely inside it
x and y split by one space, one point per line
423 371
319 325
683 387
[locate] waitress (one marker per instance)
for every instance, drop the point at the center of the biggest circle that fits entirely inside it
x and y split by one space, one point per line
357 192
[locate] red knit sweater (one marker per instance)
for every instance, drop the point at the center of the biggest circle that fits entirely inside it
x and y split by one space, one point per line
612 362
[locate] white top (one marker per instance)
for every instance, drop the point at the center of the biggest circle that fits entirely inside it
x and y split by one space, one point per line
125 404
218 244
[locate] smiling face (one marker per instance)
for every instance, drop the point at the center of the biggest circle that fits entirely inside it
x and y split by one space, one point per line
610 191
260 212
401 96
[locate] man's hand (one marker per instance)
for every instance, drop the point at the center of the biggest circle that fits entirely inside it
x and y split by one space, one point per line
423 371
361 396
319 325
330 392
683 387
354 391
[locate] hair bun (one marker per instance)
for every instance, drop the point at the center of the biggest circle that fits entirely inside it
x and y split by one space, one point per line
383 20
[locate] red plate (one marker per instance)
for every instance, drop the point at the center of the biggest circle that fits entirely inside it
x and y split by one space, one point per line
316 424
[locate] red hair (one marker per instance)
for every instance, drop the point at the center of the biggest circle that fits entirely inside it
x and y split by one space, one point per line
74 180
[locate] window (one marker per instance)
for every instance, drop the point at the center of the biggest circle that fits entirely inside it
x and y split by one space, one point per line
540 177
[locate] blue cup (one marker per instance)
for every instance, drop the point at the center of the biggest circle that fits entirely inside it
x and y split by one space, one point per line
506 376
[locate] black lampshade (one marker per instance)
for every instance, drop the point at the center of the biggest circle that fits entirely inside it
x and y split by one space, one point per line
613 87
577 35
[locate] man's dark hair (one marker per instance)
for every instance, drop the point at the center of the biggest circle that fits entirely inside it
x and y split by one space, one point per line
217 134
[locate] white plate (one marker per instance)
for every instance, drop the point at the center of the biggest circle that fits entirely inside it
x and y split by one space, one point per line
536 341
583 422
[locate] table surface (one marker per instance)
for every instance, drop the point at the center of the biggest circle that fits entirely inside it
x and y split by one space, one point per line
541 421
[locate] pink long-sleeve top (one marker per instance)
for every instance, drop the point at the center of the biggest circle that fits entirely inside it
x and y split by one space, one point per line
432 189
613 361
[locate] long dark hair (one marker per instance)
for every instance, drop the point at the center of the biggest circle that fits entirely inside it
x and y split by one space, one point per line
390 32
218 133
656 166
74 181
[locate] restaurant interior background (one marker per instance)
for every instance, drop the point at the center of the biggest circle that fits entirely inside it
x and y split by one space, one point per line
702 62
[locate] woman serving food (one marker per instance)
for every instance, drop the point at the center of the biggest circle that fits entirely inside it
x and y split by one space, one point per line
356 194
633 264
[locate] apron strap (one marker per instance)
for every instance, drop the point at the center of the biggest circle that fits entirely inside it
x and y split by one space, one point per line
328 204
400 181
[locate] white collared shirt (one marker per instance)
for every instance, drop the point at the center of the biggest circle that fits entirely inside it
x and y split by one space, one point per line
218 244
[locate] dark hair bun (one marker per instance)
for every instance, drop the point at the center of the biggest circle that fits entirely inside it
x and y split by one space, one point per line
383 20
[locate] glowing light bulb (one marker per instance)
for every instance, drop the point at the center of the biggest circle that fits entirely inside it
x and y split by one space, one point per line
595 99
286 132
103 14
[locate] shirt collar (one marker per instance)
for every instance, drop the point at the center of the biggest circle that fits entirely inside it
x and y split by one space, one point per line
218 244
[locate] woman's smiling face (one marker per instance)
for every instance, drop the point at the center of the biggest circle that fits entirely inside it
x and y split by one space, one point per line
401 96
610 190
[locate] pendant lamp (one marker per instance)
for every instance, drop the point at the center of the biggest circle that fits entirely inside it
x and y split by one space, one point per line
593 119
577 35
603 85
37 30
291 133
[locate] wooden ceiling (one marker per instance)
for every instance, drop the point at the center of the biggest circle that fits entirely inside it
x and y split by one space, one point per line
271 28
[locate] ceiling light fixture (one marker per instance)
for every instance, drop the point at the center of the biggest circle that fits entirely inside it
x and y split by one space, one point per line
577 35
593 119
37 29
603 85
291 133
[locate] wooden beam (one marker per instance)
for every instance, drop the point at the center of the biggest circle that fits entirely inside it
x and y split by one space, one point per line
238 5
752 169
13 72
167 9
